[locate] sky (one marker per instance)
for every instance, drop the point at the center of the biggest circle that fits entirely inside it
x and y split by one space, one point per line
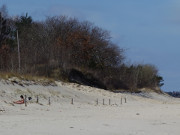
149 30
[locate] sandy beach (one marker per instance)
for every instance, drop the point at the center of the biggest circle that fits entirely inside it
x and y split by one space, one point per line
142 114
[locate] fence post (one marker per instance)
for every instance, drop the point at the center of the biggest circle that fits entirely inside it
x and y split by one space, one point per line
109 101
103 101
125 100
121 100
49 101
72 101
37 101
97 101
25 100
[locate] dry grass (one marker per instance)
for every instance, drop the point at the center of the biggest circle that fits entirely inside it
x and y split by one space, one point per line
7 75
28 77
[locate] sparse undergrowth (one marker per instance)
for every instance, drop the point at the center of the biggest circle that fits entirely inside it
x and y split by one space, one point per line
21 78
26 77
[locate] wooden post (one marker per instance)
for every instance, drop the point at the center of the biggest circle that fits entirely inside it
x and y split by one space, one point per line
125 100
103 101
72 101
121 100
49 101
37 99
97 101
109 101
25 101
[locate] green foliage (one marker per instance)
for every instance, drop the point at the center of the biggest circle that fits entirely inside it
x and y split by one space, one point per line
24 23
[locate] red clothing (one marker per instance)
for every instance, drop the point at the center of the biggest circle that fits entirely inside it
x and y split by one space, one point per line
19 102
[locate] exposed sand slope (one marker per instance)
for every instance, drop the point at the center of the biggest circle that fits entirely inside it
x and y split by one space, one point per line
155 115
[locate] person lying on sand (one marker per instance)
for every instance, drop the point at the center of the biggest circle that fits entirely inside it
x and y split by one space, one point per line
20 101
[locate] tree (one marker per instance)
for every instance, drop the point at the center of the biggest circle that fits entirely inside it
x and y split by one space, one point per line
24 22
63 44
4 36
24 26
4 30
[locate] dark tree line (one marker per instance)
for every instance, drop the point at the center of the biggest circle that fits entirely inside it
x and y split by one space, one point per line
174 94
58 45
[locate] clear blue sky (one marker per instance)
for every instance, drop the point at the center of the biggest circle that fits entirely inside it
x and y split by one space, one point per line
148 29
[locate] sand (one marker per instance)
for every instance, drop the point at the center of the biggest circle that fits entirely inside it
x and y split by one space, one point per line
145 114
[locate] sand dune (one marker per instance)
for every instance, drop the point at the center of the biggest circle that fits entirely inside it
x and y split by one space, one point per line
145 114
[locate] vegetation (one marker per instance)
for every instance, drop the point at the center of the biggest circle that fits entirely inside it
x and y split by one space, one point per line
60 45
175 94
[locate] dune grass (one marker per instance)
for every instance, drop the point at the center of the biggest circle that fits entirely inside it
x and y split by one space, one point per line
28 77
